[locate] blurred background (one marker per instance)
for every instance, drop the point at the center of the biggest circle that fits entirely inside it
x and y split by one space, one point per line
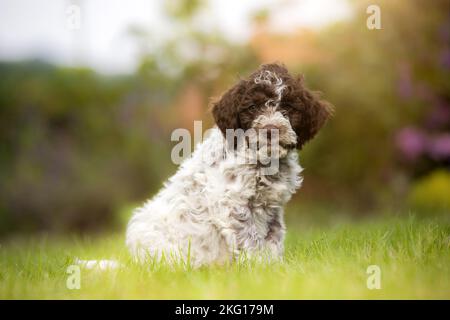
90 92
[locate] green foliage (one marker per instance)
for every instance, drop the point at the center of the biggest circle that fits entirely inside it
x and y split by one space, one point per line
183 9
75 146
431 194
363 74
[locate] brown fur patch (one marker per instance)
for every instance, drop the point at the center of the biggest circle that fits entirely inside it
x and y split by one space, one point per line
240 105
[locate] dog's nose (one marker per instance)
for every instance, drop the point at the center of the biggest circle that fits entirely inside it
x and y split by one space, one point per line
269 128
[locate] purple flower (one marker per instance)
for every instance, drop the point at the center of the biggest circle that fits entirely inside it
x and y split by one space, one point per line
411 143
439 147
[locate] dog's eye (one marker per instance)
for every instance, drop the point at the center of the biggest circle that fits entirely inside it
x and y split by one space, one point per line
251 108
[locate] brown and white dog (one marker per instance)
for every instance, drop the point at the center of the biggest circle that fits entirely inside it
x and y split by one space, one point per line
220 204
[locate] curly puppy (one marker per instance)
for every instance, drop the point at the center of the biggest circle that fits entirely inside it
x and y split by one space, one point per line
227 199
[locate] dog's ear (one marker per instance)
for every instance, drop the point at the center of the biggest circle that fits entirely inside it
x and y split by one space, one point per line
313 114
225 110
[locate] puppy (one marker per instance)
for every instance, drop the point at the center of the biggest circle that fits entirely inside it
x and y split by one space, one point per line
227 199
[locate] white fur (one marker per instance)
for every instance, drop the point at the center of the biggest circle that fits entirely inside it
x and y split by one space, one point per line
217 207
270 78
214 208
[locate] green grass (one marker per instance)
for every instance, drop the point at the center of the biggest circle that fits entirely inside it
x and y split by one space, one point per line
320 262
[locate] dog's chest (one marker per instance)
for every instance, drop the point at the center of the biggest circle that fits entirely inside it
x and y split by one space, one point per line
250 202
250 186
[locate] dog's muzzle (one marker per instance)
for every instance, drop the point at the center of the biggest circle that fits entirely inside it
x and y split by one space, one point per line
275 133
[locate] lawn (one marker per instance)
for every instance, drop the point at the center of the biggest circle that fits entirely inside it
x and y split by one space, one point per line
320 262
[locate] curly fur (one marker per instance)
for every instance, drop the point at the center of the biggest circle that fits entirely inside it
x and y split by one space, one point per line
217 207
305 110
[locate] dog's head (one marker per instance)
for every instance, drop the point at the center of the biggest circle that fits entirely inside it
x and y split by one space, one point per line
272 99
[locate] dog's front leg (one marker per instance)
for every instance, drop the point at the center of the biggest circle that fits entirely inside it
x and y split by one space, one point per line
228 235
275 235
